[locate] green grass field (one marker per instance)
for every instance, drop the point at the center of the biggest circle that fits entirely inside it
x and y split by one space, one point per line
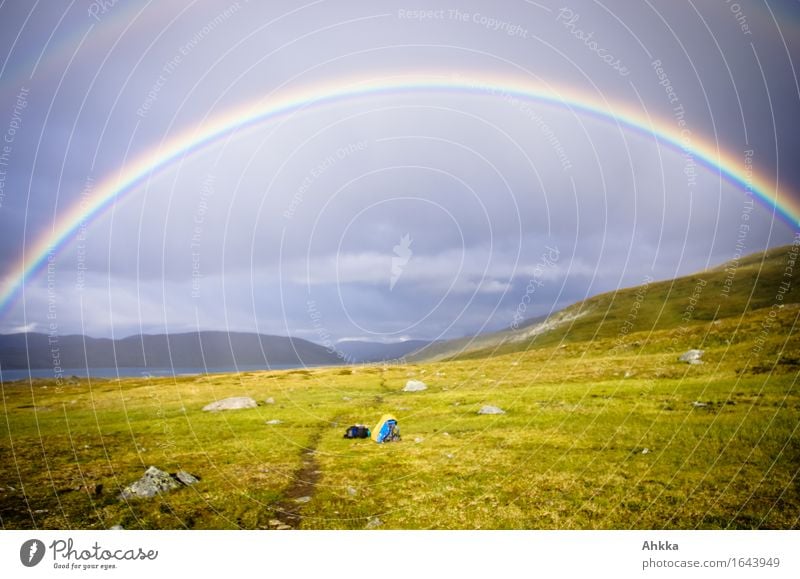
604 429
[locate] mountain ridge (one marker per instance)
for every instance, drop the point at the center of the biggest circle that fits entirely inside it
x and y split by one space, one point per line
185 349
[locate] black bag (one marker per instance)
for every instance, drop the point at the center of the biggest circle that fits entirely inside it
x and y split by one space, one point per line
357 431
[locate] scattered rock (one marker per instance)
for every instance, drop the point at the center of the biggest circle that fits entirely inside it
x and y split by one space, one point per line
117 528
186 478
418 439
351 491
302 500
415 386
698 404
235 403
491 410
628 374
275 523
374 523
269 400
692 356
274 421
445 434
283 527
154 481
645 451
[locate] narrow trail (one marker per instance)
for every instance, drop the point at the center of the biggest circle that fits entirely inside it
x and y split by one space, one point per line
302 487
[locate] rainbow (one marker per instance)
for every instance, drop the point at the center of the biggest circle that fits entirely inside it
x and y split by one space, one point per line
152 161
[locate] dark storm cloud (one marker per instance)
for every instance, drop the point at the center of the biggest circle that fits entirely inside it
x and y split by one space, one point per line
311 210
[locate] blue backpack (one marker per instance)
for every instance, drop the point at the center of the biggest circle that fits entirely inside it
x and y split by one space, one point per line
386 430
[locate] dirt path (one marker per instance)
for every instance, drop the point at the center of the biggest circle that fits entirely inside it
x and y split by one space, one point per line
302 487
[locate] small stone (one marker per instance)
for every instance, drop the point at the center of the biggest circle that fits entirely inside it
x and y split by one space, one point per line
645 451
275 523
374 523
445 434
698 404
491 410
302 500
274 421
117 528
283 527
351 491
186 478
346 398
418 439
269 400
628 374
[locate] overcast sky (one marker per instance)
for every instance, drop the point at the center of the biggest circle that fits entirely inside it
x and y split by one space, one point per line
402 214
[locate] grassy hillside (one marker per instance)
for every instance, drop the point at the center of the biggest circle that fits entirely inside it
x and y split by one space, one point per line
610 431
730 291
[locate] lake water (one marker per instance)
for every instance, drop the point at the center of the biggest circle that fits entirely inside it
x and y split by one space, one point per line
11 375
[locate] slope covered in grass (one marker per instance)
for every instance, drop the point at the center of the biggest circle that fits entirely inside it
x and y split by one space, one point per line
731 291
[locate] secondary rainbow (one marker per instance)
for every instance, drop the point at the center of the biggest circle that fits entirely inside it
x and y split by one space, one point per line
149 163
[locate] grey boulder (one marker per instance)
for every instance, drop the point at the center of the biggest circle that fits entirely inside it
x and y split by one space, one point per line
155 481
692 356
415 386
235 403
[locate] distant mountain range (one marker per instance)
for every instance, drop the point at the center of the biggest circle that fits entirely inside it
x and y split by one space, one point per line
189 350
362 351
727 291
